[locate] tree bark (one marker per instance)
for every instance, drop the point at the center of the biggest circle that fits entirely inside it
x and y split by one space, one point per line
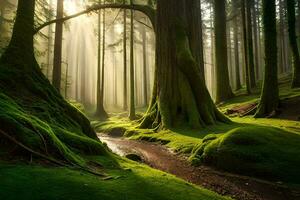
246 55
100 112
236 54
132 93
255 38
125 103
291 4
39 108
223 89
249 35
180 95
145 80
270 94
22 37
56 77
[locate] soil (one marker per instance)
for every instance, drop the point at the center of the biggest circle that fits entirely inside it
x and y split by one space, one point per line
290 109
236 186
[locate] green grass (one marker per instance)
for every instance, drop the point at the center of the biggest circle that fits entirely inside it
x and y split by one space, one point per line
131 182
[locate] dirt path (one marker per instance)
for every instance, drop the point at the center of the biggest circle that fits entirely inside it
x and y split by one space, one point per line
237 187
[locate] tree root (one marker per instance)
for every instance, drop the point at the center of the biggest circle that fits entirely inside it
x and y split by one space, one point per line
54 161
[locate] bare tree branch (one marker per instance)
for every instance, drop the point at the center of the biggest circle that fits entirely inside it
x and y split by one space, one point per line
147 10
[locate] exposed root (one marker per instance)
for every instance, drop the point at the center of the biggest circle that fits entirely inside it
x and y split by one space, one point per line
52 160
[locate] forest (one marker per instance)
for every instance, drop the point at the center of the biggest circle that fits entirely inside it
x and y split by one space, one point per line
150 99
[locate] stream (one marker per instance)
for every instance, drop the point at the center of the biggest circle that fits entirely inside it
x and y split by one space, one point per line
235 186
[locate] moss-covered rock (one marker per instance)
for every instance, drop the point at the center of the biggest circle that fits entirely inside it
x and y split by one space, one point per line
264 152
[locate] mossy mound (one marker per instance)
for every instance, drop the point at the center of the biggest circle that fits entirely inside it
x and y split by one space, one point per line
34 115
263 152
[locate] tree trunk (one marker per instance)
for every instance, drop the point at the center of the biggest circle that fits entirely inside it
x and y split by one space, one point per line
100 112
255 38
246 55
223 88
145 80
180 95
236 54
50 43
212 43
125 103
2 7
251 66
56 77
132 95
259 44
22 37
38 108
293 42
269 97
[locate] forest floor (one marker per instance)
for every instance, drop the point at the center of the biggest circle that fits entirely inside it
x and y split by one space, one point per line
130 181
169 150
238 187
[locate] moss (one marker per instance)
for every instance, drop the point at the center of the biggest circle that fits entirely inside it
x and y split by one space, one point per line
41 136
265 152
132 181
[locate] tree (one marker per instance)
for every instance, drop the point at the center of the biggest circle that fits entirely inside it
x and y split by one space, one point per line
291 4
33 113
251 67
246 63
145 81
100 112
56 77
269 98
132 95
236 47
125 103
255 38
223 89
180 94
178 72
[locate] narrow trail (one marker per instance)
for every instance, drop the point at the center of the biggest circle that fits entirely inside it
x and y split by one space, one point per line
237 187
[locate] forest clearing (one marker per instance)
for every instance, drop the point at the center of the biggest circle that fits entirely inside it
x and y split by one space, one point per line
150 99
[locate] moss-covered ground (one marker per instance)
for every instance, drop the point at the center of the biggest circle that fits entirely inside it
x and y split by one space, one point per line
131 181
264 148
49 151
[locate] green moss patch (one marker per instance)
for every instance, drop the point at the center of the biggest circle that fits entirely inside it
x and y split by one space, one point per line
265 152
132 182
42 136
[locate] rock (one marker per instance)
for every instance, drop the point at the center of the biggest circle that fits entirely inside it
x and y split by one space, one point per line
134 157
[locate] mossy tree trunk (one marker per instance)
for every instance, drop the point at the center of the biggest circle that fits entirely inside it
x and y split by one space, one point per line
291 4
223 89
56 77
180 95
35 114
20 48
269 97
